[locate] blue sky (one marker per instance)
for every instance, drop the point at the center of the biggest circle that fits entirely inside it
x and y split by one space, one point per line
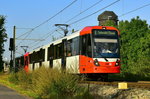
31 13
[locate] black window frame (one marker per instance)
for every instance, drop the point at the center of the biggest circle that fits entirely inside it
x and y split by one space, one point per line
50 52
58 51
85 42
107 37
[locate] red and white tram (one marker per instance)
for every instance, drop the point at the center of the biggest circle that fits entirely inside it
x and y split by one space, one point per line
92 50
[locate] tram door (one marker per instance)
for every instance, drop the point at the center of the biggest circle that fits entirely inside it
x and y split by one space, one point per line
64 54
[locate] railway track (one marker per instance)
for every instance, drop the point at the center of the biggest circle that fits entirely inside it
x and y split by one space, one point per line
139 84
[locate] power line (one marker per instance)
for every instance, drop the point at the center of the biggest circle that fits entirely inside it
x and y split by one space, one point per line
55 14
50 18
25 33
40 37
32 39
81 12
43 38
135 10
28 33
24 28
84 10
58 32
94 12
25 37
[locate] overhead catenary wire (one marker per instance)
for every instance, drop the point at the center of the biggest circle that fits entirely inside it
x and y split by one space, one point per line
112 4
126 12
49 18
23 28
84 10
95 12
55 14
37 43
25 33
24 37
58 32
43 37
31 39
98 10
135 10
46 37
28 32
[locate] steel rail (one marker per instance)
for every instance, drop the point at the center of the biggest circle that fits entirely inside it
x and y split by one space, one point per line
139 84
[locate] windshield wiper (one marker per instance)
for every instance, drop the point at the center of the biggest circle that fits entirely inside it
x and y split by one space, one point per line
102 56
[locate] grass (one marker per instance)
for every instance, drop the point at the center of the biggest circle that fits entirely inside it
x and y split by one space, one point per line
46 83
4 80
50 83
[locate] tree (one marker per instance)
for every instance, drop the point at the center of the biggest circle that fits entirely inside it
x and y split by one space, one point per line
3 37
110 23
135 46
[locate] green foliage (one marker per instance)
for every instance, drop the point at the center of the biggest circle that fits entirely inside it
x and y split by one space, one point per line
22 78
135 47
49 83
13 78
110 23
3 37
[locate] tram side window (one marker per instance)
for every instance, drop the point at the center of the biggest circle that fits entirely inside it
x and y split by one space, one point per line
60 50
86 48
22 60
42 53
30 57
89 47
83 45
34 57
48 53
38 56
69 48
75 46
57 49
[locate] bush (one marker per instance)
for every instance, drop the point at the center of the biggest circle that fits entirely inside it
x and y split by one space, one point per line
21 78
49 83
13 77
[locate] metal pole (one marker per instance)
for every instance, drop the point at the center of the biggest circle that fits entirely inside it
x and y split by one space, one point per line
11 62
14 47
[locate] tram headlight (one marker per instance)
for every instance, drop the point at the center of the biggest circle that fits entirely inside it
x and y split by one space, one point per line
117 63
96 63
